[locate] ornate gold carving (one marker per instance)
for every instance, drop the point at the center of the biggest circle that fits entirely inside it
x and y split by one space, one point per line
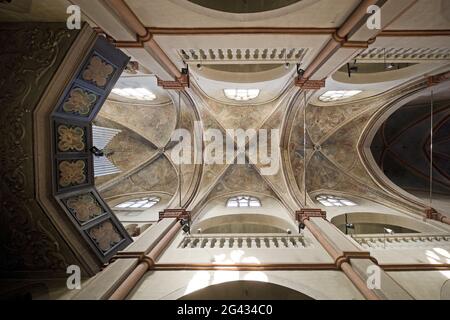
98 72
85 207
72 173
71 138
105 235
80 101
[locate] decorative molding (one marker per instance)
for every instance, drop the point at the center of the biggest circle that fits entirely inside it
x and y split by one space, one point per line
128 255
180 84
260 55
431 213
174 214
249 241
290 267
356 44
414 33
406 54
246 267
347 256
306 214
307 84
251 30
438 79
402 241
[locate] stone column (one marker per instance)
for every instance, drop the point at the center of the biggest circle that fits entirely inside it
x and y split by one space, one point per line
117 280
358 265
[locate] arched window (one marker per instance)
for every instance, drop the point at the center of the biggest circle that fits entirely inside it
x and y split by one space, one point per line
243 202
333 201
142 203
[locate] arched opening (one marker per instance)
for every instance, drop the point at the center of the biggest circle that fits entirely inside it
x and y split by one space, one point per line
241 224
246 290
377 223
233 6
402 147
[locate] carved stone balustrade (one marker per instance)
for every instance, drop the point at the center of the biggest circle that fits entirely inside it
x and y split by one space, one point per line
244 241
402 241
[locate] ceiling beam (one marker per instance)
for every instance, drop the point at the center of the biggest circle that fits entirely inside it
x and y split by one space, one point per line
144 36
240 30
338 38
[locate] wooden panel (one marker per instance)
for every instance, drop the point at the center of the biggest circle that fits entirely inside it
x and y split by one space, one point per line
73 170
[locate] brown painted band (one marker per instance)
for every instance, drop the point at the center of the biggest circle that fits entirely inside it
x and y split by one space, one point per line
246 267
128 255
226 31
414 33
348 256
415 267
356 44
288 267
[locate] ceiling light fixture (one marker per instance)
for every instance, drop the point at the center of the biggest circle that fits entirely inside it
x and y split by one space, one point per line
135 93
241 94
331 96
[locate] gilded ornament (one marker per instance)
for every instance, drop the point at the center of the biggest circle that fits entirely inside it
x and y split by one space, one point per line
105 235
85 207
98 72
80 101
70 138
72 173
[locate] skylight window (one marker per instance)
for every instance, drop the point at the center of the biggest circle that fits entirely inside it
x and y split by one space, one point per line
332 201
143 203
135 93
331 96
241 94
243 202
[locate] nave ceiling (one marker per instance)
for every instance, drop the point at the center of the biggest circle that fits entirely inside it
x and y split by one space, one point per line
298 31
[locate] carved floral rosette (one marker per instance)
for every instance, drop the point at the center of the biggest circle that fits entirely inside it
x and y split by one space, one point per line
72 133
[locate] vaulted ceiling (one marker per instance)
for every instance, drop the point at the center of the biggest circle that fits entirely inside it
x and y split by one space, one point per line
235 45
402 145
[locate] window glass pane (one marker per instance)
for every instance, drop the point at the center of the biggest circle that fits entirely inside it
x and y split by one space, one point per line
124 205
139 203
333 201
254 203
232 203
243 201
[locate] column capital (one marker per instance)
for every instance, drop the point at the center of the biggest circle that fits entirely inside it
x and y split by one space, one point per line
179 84
174 213
307 213
308 84
349 255
128 255
438 79
431 213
